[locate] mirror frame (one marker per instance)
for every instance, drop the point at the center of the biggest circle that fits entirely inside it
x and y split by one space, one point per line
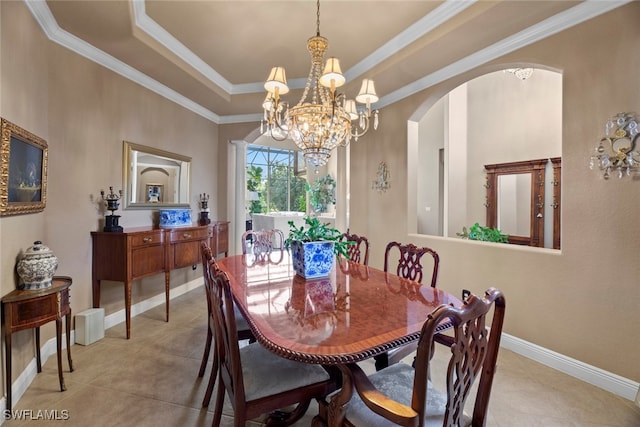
556 163
536 225
128 147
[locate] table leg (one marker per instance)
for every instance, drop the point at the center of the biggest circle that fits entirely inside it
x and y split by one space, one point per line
7 377
63 387
339 402
38 360
127 307
68 330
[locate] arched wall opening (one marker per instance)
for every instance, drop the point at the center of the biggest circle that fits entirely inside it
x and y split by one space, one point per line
493 118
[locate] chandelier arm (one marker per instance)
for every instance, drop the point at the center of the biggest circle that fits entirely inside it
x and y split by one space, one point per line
355 133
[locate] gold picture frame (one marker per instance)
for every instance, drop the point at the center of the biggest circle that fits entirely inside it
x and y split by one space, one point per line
23 171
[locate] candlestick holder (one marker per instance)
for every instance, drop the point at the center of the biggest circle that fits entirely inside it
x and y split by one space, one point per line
112 201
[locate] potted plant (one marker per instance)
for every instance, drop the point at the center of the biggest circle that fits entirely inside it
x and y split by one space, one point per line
314 247
485 234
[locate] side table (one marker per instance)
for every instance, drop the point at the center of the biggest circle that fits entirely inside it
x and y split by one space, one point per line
25 309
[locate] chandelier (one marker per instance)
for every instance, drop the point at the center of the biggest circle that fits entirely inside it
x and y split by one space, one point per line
322 119
521 73
616 152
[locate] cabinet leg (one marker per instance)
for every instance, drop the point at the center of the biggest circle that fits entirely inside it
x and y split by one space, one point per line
7 377
63 387
127 307
68 330
167 288
38 360
95 285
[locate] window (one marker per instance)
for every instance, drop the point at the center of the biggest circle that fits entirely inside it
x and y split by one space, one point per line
272 182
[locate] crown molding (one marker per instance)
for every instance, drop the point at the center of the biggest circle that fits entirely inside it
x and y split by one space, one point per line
52 30
582 12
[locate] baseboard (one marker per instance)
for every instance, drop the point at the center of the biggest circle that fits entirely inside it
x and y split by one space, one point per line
611 382
27 376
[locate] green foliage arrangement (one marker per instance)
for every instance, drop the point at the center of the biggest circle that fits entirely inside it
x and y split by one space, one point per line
485 234
314 231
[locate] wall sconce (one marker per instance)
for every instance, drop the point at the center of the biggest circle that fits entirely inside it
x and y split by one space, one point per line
616 151
382 183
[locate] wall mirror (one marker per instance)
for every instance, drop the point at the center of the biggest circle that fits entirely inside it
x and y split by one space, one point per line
521 203
515 200
154 178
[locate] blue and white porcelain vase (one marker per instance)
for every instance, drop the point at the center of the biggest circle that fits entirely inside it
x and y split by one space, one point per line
37 267
175 218
312 259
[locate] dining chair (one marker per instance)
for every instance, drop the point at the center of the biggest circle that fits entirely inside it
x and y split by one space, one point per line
410 261
359 250
243 331
401 395
256 380
262 241
410 267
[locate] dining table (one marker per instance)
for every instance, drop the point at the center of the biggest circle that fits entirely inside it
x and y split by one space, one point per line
353 314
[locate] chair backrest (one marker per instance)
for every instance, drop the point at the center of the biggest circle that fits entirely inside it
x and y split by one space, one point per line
262 241
359 250
207 259
474 351
410 261
226 338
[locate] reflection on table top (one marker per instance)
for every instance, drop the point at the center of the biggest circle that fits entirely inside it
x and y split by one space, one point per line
353 314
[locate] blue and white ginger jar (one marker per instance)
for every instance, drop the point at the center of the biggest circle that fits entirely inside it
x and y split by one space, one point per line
37 267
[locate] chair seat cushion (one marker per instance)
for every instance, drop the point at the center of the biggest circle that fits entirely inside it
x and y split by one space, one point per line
265 373
396 382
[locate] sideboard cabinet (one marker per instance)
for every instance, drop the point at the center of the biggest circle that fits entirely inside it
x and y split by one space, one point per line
219 237
137 253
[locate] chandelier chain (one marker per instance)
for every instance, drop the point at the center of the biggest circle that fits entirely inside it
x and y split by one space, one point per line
317 17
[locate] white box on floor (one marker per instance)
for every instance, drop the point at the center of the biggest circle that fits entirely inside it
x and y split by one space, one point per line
90 326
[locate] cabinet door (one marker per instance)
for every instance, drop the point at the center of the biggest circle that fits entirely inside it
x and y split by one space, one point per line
185 246
146 260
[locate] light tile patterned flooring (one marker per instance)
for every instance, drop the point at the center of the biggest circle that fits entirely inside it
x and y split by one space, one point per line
151 380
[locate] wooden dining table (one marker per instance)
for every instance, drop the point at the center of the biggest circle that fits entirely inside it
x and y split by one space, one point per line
355 313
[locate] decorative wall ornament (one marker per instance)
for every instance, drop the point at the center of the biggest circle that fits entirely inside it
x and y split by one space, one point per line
381 184
616 152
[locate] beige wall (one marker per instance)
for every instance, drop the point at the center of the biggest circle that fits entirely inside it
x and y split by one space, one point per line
85 111
583 302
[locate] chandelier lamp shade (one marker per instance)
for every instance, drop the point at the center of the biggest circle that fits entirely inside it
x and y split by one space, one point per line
323 119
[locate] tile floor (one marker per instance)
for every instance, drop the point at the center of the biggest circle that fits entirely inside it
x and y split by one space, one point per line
151 380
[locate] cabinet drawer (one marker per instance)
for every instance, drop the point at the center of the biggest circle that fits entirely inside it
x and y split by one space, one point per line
148 238
189 234
30 313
